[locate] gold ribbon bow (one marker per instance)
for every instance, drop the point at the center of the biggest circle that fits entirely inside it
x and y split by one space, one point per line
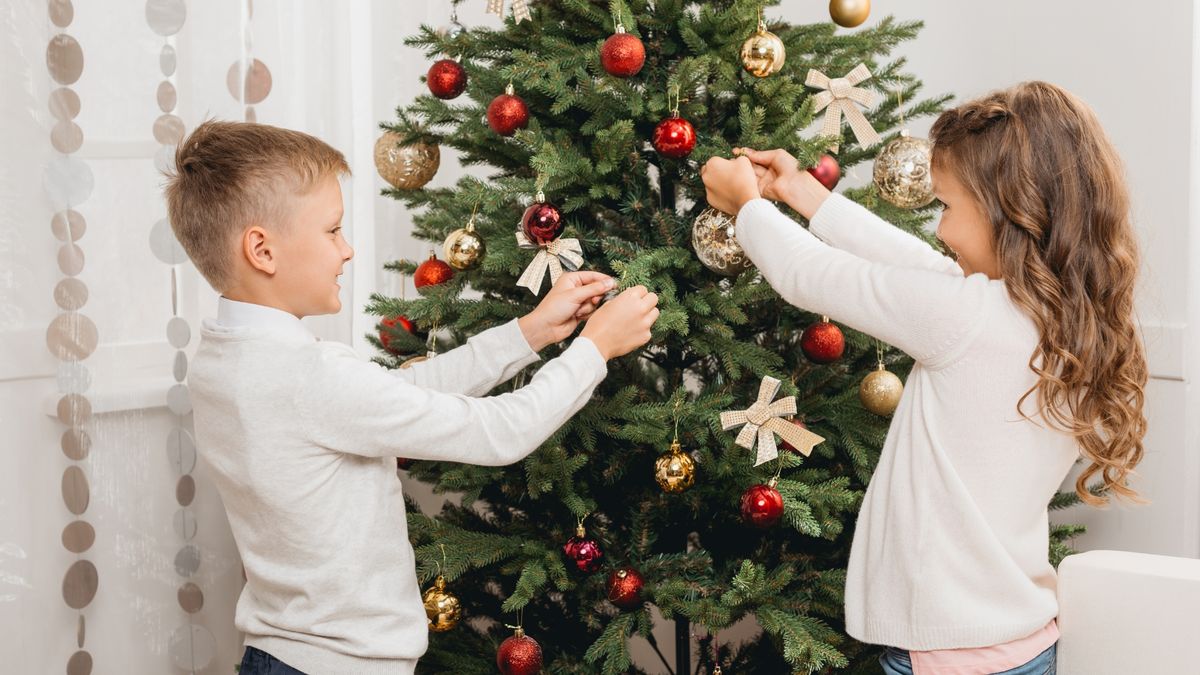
520 9
764 419
840 95
554 256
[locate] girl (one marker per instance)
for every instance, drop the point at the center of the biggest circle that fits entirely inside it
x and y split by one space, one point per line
1027 357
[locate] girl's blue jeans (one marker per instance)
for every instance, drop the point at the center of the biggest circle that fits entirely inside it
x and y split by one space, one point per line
896 662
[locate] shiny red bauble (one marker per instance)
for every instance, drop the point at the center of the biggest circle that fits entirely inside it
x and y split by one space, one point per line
519 655
446 79
827 172
542 222
507 113
788 446
622 54
674 137
762 505
389 325
431 273
625 588
823 342
584 552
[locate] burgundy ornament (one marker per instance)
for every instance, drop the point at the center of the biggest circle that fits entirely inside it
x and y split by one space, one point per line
584 551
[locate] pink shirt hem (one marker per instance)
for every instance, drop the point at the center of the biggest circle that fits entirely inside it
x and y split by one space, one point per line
985 660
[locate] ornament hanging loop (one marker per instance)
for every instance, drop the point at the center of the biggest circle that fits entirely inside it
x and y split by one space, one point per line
675 415
471 222
440 565
540 187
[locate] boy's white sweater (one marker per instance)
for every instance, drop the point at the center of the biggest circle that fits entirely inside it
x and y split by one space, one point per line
952 539
302 437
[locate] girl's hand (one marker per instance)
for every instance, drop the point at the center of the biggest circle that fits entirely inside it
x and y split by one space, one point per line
785 180
729 183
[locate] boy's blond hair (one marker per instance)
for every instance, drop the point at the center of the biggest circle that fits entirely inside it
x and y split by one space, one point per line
230 175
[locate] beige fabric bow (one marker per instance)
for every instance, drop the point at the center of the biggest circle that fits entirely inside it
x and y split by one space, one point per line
840 95
520 9
554 256
764 419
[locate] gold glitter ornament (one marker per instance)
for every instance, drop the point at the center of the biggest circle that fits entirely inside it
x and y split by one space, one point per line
902 172
406 167
880 391
716 247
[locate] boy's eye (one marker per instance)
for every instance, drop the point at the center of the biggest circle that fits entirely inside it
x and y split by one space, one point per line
335 230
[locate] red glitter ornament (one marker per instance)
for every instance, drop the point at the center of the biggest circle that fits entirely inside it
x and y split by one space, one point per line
625 588
823 342
507 113
446 79
431 273
388 327
519 655
622 54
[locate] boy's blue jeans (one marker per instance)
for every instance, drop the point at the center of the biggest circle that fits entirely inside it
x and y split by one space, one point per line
258 662
896 662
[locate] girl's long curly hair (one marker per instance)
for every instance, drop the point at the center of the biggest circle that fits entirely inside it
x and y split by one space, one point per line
1052 185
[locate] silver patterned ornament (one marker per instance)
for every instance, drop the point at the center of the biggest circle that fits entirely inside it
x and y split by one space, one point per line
713 239
902 172
406 167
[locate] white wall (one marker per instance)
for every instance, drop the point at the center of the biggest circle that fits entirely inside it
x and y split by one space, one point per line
1135 68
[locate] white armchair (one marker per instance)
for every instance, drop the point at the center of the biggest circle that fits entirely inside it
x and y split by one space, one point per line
1126 613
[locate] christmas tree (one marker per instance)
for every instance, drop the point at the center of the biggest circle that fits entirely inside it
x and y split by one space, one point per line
578 112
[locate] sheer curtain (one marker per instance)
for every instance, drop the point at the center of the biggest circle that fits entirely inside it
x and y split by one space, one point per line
336 70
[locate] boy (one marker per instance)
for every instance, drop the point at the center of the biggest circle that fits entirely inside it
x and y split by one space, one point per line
302 435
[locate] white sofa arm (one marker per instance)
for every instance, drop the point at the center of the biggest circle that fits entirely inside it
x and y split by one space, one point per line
1126 613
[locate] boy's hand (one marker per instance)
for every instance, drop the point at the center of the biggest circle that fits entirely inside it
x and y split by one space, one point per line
623 323
569 301
729 183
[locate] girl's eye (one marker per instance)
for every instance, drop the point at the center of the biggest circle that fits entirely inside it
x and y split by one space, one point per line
335 230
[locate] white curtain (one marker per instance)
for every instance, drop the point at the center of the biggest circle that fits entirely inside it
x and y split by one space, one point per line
337 70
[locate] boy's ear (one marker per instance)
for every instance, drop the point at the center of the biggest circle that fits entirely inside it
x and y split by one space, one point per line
256 247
